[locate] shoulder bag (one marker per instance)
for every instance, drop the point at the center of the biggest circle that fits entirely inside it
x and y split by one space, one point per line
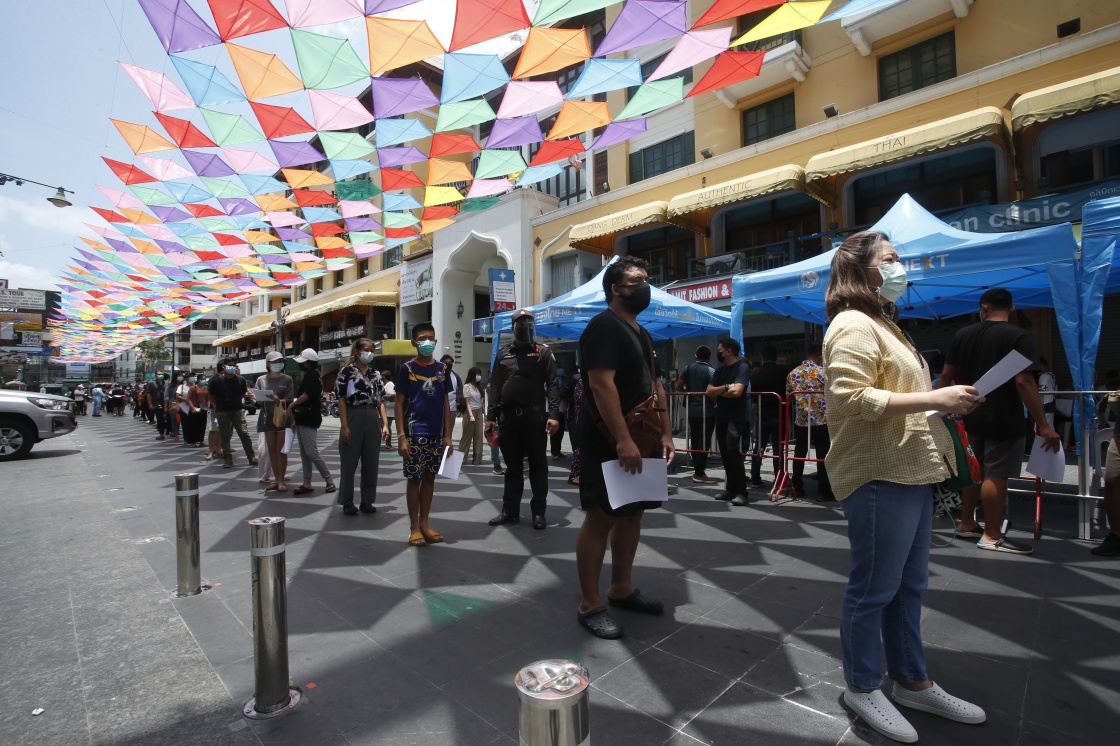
643 422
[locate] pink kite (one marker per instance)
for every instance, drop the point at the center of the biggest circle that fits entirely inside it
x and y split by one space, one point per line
164 169
357 208
303 13
158 88
120 199
333 111
693 47
488 187
524 97
247 161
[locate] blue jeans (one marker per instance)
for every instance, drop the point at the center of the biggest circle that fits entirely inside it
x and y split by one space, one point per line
889 528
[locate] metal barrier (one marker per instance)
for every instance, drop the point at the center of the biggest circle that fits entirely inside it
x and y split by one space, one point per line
554 710
273 694
790 422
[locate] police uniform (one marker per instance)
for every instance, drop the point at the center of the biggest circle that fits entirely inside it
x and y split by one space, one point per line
524 394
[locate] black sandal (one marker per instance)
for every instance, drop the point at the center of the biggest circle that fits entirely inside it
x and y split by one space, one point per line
600 623
330 487
637 602
301 490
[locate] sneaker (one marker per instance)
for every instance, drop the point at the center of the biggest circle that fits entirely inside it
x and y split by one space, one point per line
939 702
1004 545
499 471
972 533
703 478
725 495
877 711
740 500
1110 547
159 437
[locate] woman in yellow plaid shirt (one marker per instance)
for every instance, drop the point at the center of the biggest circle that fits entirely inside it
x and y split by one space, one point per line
883 459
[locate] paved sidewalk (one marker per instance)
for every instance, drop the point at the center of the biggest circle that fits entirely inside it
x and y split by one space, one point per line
399 645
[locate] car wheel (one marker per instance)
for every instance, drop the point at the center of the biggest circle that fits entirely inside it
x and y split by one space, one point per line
16 440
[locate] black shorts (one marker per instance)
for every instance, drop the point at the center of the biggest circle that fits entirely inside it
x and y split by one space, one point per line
592 487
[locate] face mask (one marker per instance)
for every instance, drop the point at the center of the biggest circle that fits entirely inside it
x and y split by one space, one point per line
577 376
523 333
179 378
366 357
894 281
426 348
276 367
231 369
159 378
638 299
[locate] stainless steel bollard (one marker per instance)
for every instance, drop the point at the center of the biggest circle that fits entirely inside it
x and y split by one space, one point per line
273 694
554 704
187 546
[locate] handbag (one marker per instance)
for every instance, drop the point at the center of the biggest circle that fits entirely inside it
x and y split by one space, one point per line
280 414
967 471
643 422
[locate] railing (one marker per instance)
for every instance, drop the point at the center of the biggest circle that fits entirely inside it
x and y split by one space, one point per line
772 42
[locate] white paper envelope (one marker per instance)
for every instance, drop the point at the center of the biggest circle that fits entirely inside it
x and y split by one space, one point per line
451 464
623 488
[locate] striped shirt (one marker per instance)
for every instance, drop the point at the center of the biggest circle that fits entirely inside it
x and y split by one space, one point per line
866 360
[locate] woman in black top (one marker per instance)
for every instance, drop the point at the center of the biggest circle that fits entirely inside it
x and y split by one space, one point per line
361 407
307 412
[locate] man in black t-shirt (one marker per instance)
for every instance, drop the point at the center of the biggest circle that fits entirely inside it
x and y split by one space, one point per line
154 398
995 428
694 380
730 382
228 390
767 379
615 354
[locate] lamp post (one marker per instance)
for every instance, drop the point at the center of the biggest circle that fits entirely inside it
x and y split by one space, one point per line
59 198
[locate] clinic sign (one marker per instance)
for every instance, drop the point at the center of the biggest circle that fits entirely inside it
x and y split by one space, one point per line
34 300
1030 213
503 291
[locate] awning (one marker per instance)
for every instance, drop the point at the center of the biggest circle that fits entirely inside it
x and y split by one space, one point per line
692 209
597 236
237 336
357 299
982 124
1094 91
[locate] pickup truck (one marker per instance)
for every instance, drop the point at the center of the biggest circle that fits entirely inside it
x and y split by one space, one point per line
28 417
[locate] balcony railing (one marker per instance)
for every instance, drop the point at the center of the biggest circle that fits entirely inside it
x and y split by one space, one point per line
758 258
772 42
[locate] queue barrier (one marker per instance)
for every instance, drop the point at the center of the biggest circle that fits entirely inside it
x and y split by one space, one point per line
1089 463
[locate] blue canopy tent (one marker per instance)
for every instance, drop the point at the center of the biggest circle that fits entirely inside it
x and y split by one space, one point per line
564 317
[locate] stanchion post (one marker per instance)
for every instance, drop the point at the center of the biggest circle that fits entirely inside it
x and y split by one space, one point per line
273 694
554 707
187 546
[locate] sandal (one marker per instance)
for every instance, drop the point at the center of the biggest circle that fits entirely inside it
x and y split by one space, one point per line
433 537
599 622
272 488
330 487
416 539
637 602
253 462
301 490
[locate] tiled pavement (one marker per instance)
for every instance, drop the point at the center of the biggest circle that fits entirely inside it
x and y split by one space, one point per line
399 645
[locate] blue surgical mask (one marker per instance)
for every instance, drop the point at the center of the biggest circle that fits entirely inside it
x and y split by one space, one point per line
366 357
426 348
276 367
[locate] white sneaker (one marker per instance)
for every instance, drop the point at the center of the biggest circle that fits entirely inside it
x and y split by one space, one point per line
939 702
878 712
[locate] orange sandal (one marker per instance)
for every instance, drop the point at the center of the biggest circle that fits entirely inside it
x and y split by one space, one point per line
433 537
416 539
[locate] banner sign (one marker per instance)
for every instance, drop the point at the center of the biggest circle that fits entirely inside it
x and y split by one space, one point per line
503 291
35 300
354 331
416 282
1030 213
703 291
482 327
77 370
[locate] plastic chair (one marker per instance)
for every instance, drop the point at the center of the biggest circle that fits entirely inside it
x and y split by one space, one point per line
1100 448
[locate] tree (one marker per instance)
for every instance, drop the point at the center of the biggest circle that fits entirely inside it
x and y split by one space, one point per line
152 351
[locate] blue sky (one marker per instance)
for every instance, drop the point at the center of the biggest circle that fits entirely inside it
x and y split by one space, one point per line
62 84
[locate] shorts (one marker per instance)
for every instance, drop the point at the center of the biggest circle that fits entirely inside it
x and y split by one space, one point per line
426 454
1112 461
593 489
1002 459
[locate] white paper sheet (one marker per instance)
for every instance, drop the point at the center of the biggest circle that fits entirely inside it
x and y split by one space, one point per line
184 407
1012 364
350 389
451 464
1046 465
289 436
624 488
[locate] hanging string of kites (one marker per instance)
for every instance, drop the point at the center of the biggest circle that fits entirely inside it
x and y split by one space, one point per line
288 153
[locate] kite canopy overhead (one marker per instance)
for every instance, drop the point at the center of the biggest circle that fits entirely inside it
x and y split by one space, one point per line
237 18
207 86
142 139
547 50
600 76
644 22
470 75
178 27
693 48
395 43
280 121
262 74
523 97
725 10
463 114
394 96
398 131
729 69
550 11
652 96
158 89
493 163
334 111
326 62
789 17
579 116
510 132
480 20
617 132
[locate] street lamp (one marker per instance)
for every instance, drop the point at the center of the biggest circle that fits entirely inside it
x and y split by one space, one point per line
460 310
59 198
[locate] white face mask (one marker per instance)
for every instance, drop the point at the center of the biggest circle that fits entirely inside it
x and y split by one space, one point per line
894 281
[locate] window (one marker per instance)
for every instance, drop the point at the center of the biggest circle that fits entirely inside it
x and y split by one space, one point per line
301 292
747 22
569 185
564 270
206 325
964 177
338 278
768 120
391 257
229 325
364 267
764 223
665 156
318 285
669 251
649 67
921 65
1079 150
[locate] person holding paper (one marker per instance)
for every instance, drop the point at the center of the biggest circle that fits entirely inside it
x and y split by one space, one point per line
280 388
361 408
995 429
228 391
424 425
615 356
884 456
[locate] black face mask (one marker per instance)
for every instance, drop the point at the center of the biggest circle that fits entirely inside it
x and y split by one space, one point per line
638 299
523 333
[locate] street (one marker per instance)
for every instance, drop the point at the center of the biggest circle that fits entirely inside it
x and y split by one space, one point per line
399 645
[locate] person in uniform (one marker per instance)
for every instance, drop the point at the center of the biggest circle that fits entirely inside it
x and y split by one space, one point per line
524 375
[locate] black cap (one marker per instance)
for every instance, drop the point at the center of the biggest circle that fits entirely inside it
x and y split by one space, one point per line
522 313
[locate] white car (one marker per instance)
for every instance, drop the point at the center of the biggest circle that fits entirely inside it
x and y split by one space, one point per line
28 417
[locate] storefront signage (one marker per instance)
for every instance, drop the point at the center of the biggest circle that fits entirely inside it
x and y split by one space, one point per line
353 331
503 291
702 292
255 351
416 282
35 300
31 339
242 354
77 370
1030 213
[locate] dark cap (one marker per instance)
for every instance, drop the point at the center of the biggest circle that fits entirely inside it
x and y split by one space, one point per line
522 313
